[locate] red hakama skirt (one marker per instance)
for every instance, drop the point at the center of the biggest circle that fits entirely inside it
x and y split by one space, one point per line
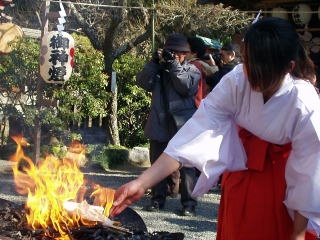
251 206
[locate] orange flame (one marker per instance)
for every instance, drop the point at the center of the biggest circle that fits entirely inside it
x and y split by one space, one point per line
48 185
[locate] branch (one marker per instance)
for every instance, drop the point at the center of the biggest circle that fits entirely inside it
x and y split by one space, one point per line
126 47
89 31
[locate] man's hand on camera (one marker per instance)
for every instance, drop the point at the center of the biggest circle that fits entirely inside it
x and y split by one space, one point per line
156 56
167 55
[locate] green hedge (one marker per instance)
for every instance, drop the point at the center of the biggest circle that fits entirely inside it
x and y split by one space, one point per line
107 156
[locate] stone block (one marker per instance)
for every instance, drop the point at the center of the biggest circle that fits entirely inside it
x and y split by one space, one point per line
139 156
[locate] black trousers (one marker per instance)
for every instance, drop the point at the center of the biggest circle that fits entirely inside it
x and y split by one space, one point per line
172 183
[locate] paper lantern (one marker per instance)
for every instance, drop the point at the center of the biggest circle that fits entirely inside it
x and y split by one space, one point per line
301 14
57 57
280 13
9 33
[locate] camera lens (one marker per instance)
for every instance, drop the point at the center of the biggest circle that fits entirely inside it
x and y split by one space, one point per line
167 54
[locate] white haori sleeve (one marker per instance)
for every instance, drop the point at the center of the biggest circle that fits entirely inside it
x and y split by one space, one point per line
303 170
210 142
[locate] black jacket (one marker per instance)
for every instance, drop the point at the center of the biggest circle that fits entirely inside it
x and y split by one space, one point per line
213 79
173 88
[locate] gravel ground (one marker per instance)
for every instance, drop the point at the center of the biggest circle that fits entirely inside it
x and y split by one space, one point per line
202 226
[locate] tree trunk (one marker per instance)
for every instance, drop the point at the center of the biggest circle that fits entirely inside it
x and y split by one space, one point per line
112 106
112 119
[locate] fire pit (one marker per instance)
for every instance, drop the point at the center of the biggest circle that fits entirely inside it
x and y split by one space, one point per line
62 205
14 227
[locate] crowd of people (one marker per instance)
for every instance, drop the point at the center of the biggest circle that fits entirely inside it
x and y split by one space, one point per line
179 76
250 116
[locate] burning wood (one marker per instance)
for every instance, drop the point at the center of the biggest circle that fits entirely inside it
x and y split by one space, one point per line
13 226
52 185
56 208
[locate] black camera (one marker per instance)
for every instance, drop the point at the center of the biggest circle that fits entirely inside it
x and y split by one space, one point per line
167 55
217 57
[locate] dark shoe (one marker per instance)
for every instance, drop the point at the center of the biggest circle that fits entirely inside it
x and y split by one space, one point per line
188 211
154 207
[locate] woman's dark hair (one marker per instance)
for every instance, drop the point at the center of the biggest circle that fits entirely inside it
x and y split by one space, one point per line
269 46
197 46
304 67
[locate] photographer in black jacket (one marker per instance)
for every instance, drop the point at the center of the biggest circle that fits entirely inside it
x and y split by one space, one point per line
173 82
230 57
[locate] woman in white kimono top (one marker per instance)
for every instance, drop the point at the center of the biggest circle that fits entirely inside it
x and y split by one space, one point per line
270 98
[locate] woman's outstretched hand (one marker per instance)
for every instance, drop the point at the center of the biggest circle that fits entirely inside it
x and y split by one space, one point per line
134 190
126 195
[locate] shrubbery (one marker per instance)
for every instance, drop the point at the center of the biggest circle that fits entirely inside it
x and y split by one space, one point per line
133 102
107 156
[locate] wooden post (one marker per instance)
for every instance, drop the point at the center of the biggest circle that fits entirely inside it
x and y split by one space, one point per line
153 22
37 136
